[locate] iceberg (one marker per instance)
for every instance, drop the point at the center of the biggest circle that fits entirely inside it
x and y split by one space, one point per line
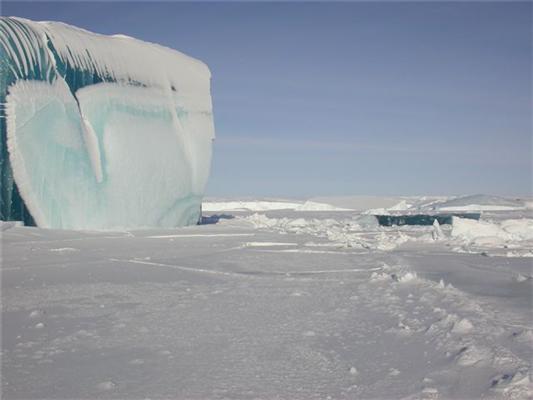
100 132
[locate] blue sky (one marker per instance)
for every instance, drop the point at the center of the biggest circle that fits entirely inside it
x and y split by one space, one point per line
348 98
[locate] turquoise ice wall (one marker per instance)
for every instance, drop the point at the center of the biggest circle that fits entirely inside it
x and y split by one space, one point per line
12 33
14 39
100 132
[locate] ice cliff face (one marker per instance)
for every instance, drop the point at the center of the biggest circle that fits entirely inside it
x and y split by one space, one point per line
100 132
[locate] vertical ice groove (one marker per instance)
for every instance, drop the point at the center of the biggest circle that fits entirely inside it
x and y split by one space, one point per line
26 45
15 57
25 53
50 59
5 45
10 55
17 52
91 142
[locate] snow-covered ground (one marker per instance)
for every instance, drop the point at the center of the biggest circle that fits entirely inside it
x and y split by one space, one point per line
300 300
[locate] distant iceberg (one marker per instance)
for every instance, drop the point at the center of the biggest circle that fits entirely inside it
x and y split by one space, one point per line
100 132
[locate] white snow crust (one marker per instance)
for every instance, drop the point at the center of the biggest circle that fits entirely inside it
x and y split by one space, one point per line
271 304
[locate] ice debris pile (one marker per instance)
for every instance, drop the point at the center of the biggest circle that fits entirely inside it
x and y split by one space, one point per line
503 232
100 132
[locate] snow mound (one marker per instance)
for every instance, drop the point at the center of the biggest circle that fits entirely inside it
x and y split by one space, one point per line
260 205
268 205
314 206
480 202
401 206
360 203
510 229
5 225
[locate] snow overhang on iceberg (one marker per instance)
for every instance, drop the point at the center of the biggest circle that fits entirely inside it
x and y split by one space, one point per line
100 132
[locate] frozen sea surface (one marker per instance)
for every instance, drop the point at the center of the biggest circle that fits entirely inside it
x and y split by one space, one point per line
285 304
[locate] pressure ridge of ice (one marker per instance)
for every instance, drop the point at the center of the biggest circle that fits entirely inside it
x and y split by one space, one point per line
100 132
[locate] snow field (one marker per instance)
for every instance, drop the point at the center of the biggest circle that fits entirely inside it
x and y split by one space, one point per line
280 304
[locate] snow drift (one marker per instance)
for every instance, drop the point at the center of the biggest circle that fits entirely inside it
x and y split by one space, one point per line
100 132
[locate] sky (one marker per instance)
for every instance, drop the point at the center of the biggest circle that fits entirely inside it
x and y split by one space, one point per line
384 98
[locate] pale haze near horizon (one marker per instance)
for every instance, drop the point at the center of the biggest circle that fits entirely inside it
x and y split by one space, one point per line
348 98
